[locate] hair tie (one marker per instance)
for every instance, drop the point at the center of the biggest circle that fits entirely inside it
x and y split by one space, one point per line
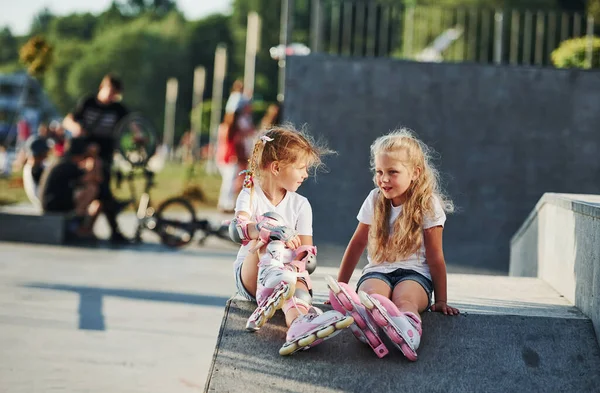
266 139
248 179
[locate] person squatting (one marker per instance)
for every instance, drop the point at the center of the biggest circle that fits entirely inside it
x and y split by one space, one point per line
400 223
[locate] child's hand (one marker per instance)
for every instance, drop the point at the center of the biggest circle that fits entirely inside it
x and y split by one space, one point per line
293 243
445 308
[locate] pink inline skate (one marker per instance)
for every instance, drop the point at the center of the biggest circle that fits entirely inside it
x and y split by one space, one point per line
344 300
276 283
313 328
403 328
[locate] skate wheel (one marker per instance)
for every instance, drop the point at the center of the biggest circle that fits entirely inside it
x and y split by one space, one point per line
359 334
360 322
344 323
269 311
365 300
325 332
379 318
289 292
288 349
374 342
394 336
306 341
278 303
408 353
332 284
260 321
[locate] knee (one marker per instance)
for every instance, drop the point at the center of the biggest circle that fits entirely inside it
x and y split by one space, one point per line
405 303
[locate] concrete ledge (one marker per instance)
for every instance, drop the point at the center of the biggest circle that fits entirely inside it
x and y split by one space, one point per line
27 224
558 243
468 353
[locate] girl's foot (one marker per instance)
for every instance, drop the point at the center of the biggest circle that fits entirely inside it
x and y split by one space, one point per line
313 328
403 328
344 300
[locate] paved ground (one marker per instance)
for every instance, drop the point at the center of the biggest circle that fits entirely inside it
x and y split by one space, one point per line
141 319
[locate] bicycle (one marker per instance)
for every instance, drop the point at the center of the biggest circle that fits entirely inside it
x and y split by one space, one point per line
174 220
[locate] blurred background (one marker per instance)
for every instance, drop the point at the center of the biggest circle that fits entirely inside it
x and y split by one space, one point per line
53 54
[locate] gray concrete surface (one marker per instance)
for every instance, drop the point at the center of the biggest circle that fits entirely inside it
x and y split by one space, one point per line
514 335
129 319
24 223
503 133
558 243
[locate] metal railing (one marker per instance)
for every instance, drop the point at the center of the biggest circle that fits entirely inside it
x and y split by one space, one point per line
434 33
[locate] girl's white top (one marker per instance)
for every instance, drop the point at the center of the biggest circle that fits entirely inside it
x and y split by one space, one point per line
416 261
294 208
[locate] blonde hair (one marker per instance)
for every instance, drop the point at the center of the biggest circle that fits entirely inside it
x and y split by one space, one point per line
286 145
406 237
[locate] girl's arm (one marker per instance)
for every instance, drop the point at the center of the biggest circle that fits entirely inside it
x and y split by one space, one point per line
437 266
355 248
254 233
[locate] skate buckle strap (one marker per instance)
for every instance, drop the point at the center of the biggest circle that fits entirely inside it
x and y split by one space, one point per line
309 262
271 227
295 302
238 230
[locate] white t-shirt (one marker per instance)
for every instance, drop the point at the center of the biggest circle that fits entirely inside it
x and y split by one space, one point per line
294 208
417 260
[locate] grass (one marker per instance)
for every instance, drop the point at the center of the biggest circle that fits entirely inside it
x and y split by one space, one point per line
201 188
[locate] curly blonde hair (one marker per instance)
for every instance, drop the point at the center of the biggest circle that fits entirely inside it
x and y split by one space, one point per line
406 237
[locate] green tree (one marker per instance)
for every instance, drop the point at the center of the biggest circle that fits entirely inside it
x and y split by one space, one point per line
8 46
74 26
158 7
67 53
145 53
41 22
36 55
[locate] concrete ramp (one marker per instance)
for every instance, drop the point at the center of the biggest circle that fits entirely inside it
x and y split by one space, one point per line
525 338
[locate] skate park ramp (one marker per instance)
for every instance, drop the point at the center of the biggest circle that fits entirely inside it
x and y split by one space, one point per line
514 334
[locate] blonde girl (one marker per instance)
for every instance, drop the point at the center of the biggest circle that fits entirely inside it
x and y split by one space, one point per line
401 224
274 225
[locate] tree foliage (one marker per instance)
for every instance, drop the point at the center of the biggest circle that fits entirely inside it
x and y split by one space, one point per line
574 53
148 41
8 46
36 55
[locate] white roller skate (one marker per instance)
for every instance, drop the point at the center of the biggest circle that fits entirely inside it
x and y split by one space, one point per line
313 328
403 328
346 301
276 283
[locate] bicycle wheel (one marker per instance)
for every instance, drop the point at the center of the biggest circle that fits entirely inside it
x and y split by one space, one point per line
175 222
136 139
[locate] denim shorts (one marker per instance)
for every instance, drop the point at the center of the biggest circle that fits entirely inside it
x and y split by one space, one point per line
241 290
397 276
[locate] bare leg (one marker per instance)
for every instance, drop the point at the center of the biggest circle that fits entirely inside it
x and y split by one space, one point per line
410 296
375 285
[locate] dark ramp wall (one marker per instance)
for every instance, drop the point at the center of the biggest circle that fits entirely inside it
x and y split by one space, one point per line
505 135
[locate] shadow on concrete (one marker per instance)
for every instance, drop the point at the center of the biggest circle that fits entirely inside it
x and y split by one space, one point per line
467 353
91 300
154 248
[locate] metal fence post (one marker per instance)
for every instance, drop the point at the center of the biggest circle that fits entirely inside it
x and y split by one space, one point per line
316 36
499 20
285 32
589 52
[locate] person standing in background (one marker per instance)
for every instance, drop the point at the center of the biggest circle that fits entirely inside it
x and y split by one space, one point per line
96 118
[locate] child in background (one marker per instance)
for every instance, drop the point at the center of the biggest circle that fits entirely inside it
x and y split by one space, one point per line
401 223
274 225
37 153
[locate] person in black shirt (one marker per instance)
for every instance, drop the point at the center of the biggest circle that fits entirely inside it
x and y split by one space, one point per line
96 118
71 185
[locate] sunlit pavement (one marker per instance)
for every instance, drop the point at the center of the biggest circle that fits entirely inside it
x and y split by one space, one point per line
138 318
